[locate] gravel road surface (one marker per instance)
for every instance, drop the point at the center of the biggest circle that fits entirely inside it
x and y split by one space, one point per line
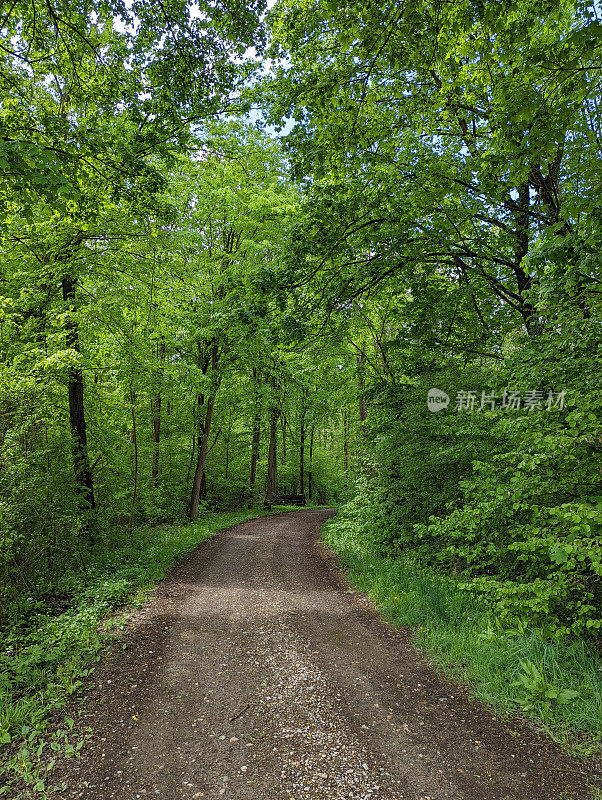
252 674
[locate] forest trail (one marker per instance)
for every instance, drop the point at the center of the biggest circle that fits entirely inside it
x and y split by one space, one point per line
252 675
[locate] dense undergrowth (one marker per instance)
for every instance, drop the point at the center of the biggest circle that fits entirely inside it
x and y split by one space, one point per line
517 668
51 642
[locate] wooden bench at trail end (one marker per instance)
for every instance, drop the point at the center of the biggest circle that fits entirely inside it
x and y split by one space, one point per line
288 500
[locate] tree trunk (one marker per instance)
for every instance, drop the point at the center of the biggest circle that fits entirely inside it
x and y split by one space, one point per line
271 481
255 449
284 476
310 474
77 421
363 409
256 429
192 450
346 445
228 443
202 447
270 489
302 443
157 420
524 281
135 443
203 432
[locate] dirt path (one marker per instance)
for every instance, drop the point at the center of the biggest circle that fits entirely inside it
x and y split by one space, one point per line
252 675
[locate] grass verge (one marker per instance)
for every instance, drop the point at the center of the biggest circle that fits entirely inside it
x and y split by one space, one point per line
517 670
49 643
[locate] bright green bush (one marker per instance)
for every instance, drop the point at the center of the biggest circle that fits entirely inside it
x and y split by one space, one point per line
418 459
509 502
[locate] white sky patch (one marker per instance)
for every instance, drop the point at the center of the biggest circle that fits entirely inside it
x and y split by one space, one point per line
255 115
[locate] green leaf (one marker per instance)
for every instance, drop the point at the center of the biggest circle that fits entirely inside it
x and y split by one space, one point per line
566 695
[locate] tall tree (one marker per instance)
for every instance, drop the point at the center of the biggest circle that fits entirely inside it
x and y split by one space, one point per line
271 485
233 207
256 425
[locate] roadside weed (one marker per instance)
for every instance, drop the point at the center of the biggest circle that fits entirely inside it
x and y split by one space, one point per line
536 688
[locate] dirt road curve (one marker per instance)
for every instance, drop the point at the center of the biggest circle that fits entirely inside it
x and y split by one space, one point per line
252 675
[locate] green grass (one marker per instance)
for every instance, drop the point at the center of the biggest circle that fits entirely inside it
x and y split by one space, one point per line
557 683
45 658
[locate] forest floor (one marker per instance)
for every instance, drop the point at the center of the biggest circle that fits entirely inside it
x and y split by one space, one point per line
253 673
